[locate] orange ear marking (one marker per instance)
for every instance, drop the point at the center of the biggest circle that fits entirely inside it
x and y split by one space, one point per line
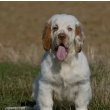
46 40
79 38
78 31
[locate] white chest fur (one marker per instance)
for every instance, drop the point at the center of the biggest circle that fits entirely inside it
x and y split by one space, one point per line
65 77
64 86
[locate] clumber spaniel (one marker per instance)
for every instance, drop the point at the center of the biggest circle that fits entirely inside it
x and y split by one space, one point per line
64 74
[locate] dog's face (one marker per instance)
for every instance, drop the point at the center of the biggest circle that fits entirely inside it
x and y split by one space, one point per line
62 34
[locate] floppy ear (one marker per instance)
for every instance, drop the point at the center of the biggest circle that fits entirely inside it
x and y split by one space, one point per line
79 38
46 40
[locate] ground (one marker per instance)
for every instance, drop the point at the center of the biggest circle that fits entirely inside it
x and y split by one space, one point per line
21 25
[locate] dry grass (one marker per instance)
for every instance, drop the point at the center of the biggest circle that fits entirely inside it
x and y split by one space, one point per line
21 25
100 85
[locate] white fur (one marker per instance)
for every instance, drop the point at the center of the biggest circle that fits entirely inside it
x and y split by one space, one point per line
63 80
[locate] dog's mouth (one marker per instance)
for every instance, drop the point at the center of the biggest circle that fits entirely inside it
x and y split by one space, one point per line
61 52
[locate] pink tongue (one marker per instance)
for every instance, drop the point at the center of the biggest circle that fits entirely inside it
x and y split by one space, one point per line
61 53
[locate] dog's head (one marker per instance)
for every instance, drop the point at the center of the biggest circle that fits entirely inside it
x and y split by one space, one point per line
63 34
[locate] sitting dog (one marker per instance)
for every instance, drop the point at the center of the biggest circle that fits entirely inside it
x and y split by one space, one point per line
64 73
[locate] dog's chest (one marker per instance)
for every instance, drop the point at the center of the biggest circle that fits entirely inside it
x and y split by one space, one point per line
64 75
64 91
64 87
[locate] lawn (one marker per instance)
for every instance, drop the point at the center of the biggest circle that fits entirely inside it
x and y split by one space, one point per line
16 85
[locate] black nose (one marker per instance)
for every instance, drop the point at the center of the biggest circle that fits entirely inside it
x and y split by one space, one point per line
61 36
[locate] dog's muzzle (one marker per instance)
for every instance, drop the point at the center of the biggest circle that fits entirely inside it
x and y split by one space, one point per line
60 49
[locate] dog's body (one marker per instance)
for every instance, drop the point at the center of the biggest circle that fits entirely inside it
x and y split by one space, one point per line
65 73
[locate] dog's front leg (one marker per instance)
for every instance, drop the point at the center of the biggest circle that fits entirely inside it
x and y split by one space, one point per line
83 97
44 99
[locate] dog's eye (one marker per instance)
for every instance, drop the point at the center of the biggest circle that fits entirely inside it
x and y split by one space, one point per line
55 28
70 29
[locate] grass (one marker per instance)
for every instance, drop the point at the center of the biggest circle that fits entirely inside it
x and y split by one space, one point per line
16 85
21 25
100 86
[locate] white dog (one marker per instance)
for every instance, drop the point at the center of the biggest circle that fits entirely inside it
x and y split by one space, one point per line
65 73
